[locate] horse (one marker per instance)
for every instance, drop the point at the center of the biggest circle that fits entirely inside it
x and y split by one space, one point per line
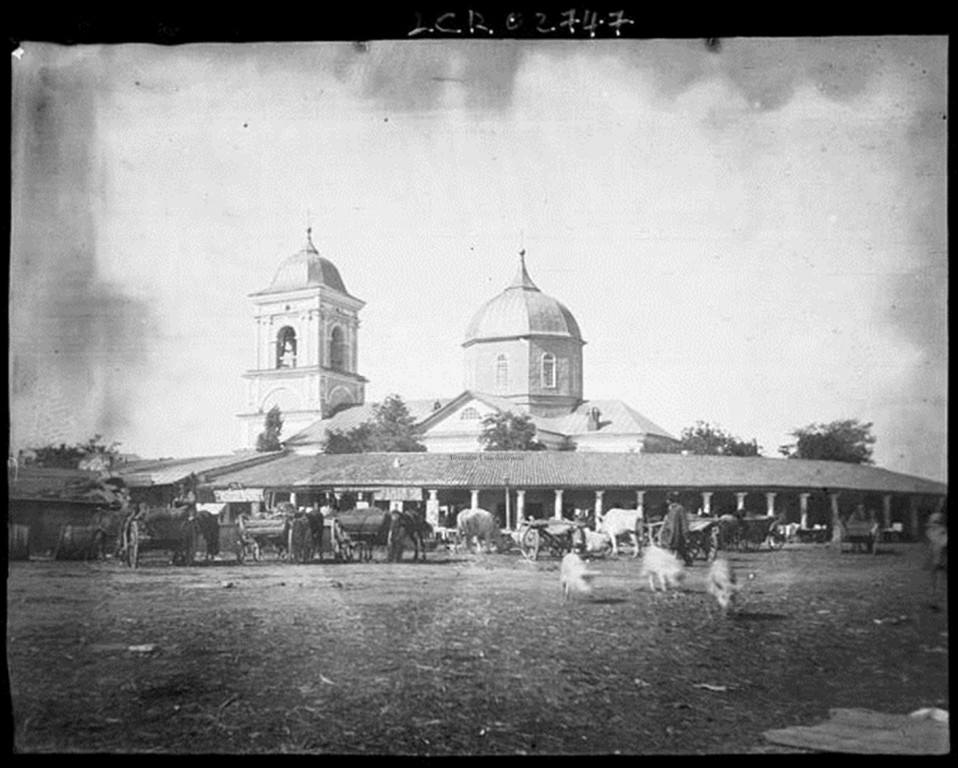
166 528
402 524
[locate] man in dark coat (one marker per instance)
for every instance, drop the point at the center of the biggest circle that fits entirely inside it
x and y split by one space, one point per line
675 531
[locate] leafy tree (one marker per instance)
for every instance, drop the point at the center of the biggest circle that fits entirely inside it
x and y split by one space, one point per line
704 439
268 439
65 456
847 440
391 429
506 431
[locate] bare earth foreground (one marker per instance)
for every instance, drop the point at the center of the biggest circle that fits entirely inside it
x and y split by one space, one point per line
464 654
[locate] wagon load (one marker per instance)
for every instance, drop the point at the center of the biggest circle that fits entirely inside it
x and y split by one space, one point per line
171 529
366 528
18 542
81 542
255 533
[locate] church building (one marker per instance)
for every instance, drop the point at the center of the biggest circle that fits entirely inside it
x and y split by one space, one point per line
522 354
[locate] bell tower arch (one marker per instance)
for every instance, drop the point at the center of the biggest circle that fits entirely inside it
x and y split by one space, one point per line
306 339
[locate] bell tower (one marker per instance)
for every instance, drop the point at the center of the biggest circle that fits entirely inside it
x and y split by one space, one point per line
306 345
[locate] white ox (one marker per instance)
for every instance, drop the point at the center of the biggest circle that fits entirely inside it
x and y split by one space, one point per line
619 522
479 524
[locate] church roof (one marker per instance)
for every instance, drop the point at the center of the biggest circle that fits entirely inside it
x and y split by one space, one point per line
521 310
615 418
305 269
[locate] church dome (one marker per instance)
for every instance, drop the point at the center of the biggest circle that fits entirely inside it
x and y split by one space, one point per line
305 269
521 310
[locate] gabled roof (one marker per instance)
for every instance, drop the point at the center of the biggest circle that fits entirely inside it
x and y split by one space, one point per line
556 469
500 404
355 415
615 418
149 472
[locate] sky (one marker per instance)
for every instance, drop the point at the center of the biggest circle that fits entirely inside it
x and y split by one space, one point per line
751 234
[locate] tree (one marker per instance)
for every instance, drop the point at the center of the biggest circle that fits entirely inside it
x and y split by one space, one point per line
268 439
65 456
391 429
847 440
704 439
506 431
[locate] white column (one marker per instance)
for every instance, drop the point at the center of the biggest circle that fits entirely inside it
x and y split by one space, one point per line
557 511
886 510
475 498
740 500
520 508
432 508
292 499
706 502
770 502
803 506
640 503
598 508
836 519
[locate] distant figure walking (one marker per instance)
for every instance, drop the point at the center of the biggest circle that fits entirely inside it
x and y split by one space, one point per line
937 534
675 532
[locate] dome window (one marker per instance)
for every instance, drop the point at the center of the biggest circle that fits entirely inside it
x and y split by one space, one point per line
549 370
469 414
502 372
286 348
337 349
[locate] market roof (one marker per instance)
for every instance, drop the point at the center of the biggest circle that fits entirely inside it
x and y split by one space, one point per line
138 474
558 469
305 269
75 485
521 310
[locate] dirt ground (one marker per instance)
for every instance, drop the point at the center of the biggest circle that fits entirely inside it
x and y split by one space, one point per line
465 654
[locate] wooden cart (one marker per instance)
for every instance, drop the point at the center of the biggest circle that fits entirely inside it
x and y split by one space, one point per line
555 536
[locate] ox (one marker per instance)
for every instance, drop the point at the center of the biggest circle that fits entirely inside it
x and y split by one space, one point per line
479 524
621 522
590 542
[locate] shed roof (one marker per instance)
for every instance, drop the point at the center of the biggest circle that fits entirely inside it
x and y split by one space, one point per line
138 474
29 482
554 469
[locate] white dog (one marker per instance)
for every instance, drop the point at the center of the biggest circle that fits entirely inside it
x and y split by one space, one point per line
575 577
722 584
662 567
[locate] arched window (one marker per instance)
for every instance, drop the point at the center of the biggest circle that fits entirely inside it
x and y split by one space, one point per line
286 348
469 414
549 370
502 372
337 349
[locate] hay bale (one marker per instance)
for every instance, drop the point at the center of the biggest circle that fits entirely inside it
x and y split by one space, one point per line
18 542
79 542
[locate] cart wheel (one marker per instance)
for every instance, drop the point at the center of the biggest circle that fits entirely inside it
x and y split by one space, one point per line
776 540
240 554
529 543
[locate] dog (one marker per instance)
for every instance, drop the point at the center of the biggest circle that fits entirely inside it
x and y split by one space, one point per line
662 568
723 585
575 577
